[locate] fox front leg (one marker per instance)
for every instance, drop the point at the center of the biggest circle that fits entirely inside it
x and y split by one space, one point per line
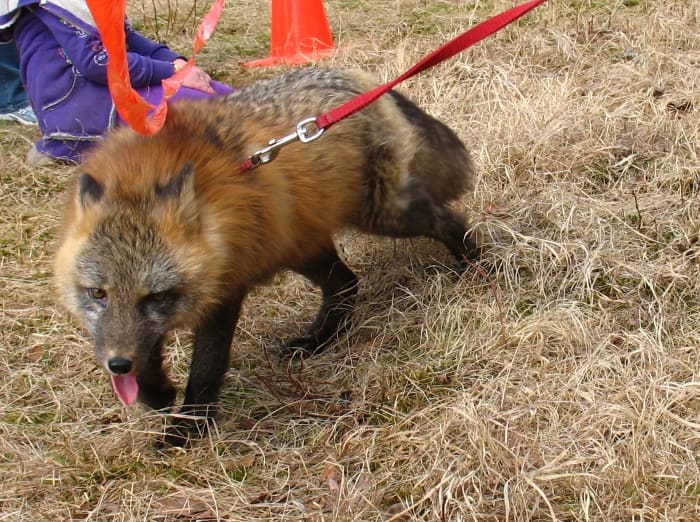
339 287
155 388
210 361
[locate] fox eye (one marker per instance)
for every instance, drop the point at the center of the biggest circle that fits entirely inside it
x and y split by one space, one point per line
159 303
157 297
98 294
160 298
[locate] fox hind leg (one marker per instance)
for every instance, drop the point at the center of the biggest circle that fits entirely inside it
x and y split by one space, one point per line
339 287
421 216
453 229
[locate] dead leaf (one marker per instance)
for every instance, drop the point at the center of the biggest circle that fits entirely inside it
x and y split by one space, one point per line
344 491
180 505
494 209
206 516
246 461
398 512
35 353
443 378
360 483
331 476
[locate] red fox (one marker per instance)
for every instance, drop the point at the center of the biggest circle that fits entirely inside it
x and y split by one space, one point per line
164 232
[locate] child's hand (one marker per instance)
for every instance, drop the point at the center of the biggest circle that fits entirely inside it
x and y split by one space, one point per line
196 79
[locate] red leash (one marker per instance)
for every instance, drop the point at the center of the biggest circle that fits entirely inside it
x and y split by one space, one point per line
326 120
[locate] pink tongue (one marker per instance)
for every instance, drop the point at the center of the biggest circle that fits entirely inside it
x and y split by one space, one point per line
126 388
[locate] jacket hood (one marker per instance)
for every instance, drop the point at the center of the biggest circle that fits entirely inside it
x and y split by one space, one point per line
75 11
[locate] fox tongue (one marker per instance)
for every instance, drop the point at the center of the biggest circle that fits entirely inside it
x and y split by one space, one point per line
126 388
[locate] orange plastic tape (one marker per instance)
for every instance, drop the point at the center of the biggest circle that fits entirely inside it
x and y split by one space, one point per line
143 117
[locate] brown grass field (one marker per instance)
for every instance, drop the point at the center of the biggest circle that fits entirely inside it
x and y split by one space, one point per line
563 386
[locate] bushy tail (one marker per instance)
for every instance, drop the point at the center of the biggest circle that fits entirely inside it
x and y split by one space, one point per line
441 160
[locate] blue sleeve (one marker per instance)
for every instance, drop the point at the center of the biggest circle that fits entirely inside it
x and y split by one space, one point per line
86 53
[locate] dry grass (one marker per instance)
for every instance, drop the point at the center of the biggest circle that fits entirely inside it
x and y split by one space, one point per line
567 388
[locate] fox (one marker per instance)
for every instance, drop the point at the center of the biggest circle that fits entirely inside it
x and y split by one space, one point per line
163 232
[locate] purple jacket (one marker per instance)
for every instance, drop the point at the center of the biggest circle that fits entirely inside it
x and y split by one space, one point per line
63 68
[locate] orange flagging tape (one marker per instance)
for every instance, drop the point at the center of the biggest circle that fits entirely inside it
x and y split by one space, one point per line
143 117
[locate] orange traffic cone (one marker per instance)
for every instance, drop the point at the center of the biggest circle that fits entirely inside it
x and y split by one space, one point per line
299 34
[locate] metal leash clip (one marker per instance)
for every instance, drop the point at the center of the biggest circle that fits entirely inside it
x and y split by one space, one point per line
302 134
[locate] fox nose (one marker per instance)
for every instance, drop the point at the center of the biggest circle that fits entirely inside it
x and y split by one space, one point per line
119 365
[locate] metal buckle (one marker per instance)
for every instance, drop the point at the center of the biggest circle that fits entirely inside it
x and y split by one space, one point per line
270 152
302 130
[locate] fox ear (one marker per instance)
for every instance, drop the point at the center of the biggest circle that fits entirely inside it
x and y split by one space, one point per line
180 190
178 184
89 190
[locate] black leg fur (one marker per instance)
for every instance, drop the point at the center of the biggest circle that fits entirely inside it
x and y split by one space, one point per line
452 229
423 217
210 361
155 388
339 287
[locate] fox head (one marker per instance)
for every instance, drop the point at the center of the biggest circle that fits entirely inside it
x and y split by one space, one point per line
133 265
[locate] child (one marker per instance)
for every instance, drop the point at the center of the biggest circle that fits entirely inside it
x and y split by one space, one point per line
64 69
13 100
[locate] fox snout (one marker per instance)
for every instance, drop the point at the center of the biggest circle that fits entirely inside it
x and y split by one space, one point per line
123 375
119 365
124 358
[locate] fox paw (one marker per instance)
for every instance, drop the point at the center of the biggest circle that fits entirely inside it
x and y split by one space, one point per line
173 439
157 398
303 345
182 433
